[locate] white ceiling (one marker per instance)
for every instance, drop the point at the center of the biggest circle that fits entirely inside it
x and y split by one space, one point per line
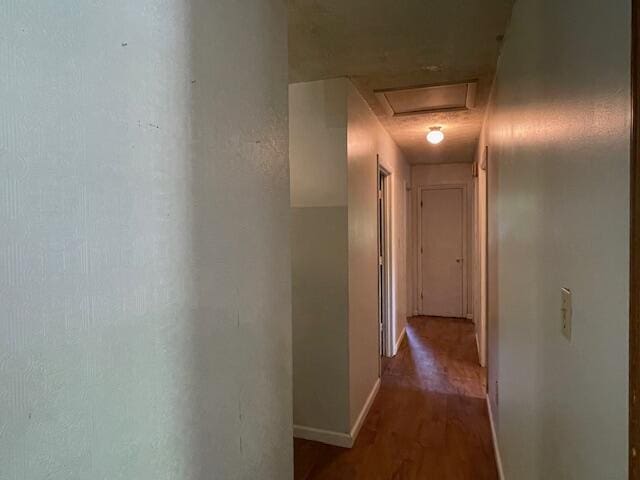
383 44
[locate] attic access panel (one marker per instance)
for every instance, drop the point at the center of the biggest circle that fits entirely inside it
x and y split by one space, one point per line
428 99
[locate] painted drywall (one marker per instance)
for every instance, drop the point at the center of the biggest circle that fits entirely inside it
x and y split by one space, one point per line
559 205
367 136
318 143
366 139
145 323
318 158
423 176
334 141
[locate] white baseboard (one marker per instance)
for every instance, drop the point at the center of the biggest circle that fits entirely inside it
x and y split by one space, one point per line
363 413
496 448
477 344
397 345
483 360
329 437
339 439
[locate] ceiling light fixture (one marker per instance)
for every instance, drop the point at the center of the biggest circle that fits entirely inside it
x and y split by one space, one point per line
435 135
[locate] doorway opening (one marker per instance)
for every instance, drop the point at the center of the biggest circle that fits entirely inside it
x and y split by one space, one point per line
634 270
384 263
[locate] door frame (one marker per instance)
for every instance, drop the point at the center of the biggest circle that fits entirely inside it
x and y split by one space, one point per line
388 342
486 266
463 187
634 267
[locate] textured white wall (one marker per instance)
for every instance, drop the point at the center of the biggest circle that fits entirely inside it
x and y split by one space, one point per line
144 254
334 139
318 157
318 143
366 138
559 184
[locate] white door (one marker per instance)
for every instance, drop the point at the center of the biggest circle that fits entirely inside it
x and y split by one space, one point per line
442 247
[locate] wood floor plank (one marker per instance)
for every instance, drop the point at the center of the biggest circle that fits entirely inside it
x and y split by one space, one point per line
429 420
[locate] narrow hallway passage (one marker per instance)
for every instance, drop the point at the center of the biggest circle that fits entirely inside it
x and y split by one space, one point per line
429 420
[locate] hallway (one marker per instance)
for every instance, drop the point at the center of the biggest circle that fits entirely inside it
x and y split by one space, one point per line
429 420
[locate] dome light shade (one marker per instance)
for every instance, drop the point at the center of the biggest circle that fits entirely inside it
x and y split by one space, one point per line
435 135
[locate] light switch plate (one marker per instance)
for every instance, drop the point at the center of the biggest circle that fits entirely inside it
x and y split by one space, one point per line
566 311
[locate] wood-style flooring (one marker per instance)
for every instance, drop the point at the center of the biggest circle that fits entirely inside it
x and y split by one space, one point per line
429 420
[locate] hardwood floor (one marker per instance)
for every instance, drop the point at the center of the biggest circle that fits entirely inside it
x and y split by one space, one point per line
429 420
